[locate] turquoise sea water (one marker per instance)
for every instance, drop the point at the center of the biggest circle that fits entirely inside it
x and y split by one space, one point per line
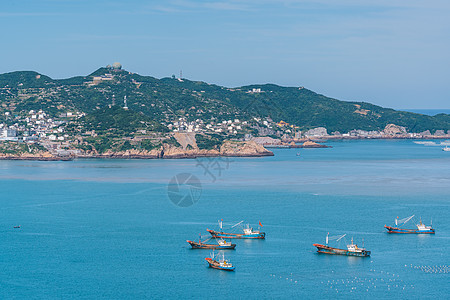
106 229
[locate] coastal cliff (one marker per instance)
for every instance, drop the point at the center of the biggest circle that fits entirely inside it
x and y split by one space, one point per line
228 148
132 153
166 151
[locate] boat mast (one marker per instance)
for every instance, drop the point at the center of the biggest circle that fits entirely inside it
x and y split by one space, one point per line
404 221
237 224
341 238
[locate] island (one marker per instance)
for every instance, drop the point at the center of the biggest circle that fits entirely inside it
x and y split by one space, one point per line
114 113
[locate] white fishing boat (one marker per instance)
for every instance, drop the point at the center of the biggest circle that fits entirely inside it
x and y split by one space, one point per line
420 228
221 263
352 248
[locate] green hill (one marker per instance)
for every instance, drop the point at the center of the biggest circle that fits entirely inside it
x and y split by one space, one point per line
154 103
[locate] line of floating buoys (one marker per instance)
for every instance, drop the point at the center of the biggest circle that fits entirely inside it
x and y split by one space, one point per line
282 277
438 269
386 281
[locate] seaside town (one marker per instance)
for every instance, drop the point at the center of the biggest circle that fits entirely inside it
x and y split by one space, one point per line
36 128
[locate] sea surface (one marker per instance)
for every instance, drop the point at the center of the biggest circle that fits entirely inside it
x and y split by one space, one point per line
116 229
430 112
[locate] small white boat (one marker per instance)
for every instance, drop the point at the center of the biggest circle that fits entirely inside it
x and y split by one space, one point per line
426 143
446 149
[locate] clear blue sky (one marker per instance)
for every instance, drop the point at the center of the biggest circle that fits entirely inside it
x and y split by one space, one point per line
395 53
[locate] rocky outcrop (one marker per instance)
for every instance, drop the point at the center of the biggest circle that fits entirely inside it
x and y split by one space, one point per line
319 131
439 133
132 153
311 144
170 151
275 143
228 148
392 129
266 140
39 155
243 149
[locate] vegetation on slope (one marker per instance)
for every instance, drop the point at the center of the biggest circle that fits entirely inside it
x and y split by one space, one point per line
154 101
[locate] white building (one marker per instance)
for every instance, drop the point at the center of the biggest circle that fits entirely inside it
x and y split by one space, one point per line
8 135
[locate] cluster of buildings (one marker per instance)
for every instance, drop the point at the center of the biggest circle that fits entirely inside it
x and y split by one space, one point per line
34 126
7 134
229 127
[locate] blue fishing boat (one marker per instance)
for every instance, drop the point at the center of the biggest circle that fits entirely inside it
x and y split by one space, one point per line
420 228
247 232
352 249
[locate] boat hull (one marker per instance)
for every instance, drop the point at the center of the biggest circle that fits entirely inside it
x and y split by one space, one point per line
215 265
227 235
196 245
335 251
391 229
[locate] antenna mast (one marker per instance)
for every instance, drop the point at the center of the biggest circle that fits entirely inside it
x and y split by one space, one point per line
125 102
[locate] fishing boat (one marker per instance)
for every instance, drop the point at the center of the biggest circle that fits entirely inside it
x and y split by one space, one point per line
421 228
221 244
220 264
352 249
447 149
247 232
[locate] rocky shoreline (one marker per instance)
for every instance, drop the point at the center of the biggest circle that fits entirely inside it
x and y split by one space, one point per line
227 149
269 142
254 148
306 144
36 158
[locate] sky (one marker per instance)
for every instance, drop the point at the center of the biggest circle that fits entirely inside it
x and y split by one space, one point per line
393 53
